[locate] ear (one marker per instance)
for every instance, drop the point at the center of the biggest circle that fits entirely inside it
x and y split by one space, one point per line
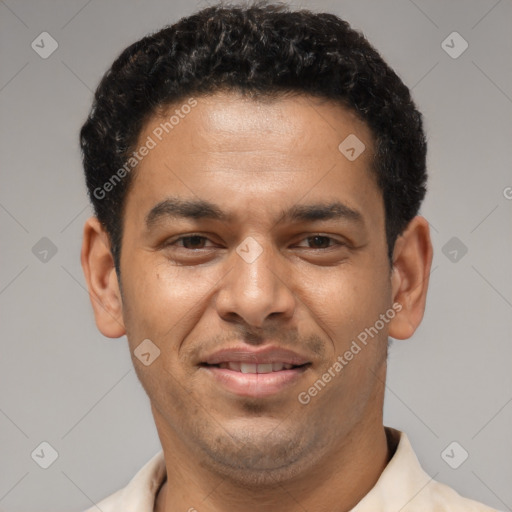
412 259
102 282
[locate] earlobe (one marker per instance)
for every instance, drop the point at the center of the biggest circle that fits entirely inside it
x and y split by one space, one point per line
412 259
102 281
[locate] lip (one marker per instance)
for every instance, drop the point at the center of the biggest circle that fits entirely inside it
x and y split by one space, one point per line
264 355
255 385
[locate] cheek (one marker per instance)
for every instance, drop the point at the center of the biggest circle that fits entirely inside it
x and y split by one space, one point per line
346 307
343 301
163 301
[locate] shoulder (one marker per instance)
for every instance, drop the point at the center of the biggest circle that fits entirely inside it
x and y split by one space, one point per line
405 486
140 493
442 498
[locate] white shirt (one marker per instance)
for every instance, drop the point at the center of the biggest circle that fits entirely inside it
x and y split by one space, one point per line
403 486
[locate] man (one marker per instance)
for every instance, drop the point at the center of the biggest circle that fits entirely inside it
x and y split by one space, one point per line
256 175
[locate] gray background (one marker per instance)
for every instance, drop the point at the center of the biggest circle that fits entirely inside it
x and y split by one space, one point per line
63 383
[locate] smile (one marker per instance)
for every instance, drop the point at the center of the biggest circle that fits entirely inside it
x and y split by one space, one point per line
256 368
254 380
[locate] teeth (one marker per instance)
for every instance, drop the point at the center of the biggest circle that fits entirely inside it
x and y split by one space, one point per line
255 368
248 367
277 367
264 368
233 366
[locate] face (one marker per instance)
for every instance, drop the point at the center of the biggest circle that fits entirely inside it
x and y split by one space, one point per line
254 258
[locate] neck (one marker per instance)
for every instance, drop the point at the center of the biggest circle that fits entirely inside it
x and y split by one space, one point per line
336 483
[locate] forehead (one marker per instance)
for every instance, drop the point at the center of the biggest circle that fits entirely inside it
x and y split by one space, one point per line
227 122
227 145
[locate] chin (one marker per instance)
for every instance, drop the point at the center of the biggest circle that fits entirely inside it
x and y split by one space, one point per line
258 458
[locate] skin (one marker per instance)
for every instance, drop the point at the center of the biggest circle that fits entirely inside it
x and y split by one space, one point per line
253 159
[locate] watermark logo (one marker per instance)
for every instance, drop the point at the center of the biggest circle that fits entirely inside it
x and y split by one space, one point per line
249 250
454 455
454 45
454 249
44 455
351 147
44 250
147 352
44 45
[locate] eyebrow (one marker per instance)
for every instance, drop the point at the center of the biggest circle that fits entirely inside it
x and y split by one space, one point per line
176 208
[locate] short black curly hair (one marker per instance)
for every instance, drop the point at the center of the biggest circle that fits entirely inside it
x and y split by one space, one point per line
260 50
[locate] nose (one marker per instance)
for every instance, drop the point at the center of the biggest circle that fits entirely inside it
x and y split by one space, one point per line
255 290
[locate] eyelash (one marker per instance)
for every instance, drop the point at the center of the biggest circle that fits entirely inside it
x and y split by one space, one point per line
196 235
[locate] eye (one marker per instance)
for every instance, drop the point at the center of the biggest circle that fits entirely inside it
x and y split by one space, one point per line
321 240
197 242
189 242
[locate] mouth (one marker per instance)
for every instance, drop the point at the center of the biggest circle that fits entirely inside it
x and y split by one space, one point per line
255 368
255 380
255 372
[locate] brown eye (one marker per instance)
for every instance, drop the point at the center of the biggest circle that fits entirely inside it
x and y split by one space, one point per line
318 240
321 242
193 242
190 242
